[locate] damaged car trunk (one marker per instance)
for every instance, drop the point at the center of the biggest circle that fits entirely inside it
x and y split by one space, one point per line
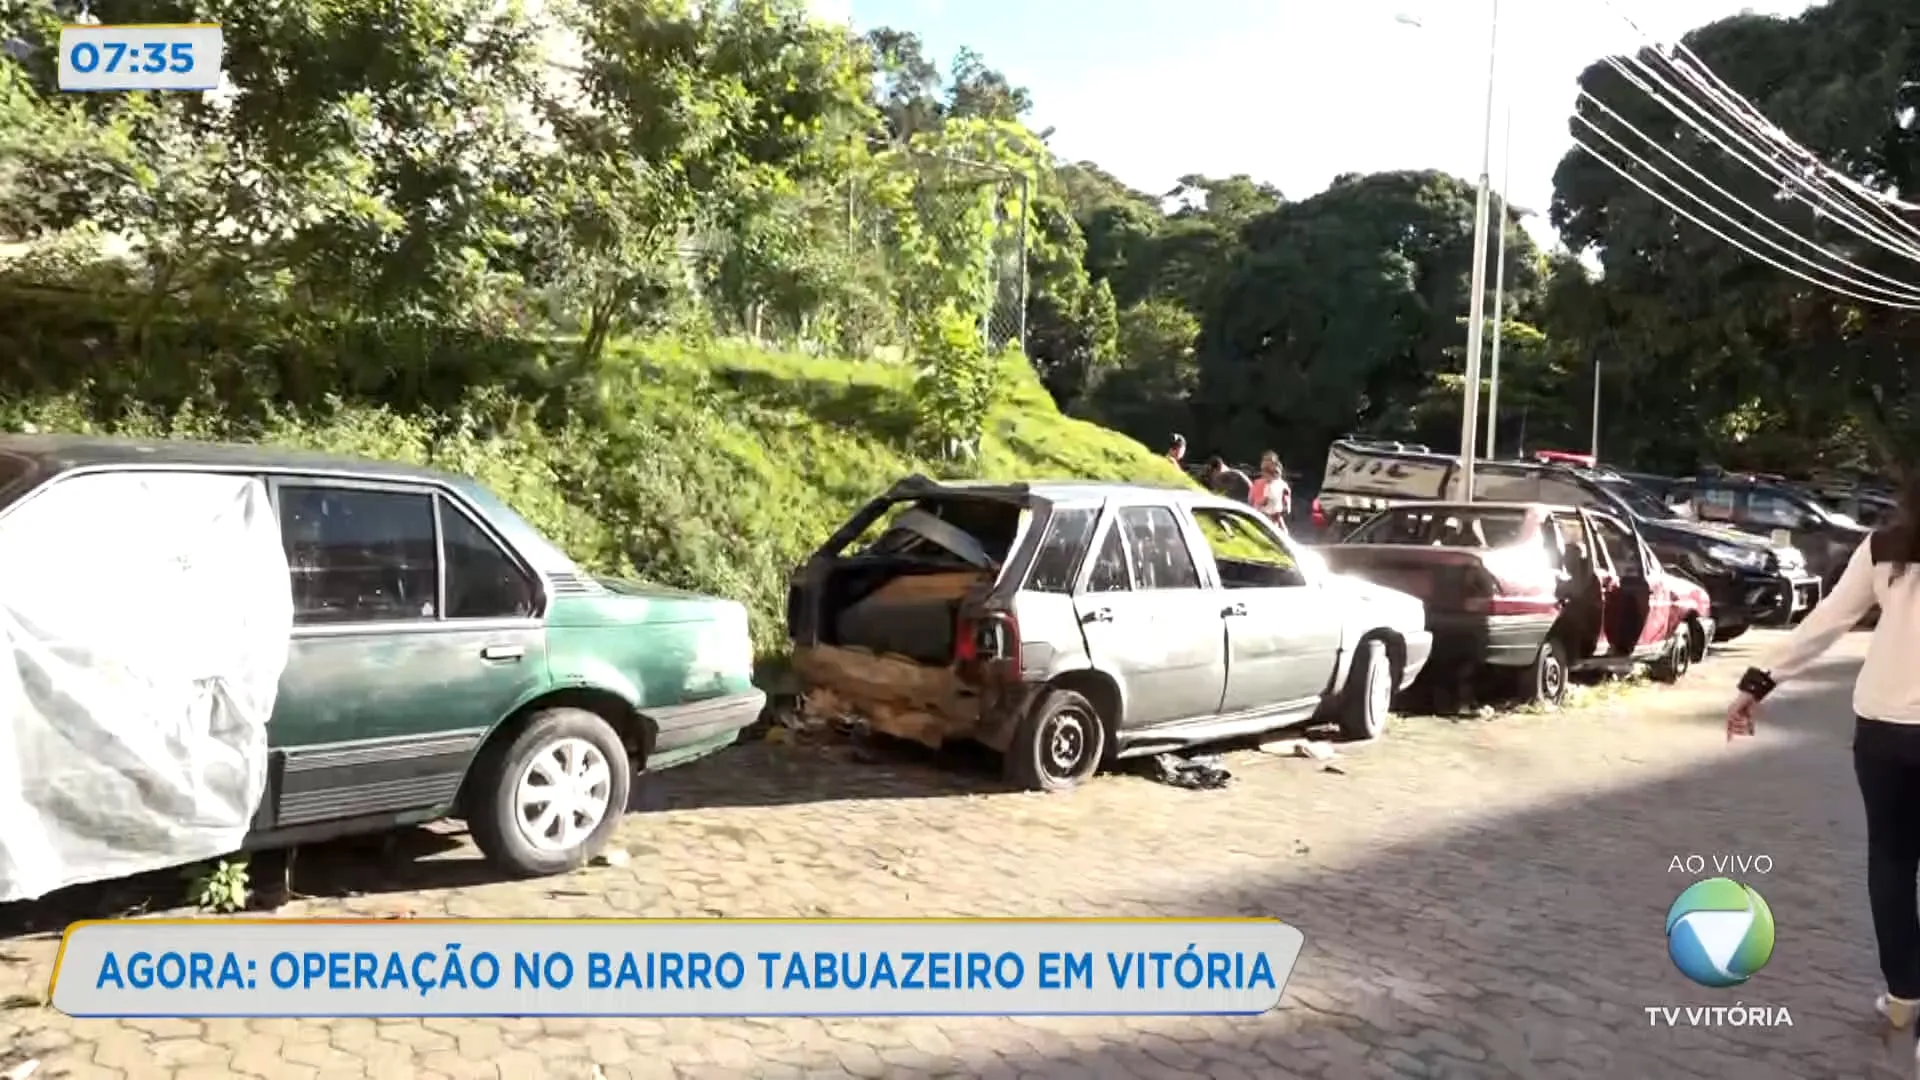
892 620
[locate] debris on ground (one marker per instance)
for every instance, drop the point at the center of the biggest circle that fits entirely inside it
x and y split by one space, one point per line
614 857
22 1071
1193 773
1311 749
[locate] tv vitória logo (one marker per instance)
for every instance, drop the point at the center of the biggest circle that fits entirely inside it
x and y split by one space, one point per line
1719 932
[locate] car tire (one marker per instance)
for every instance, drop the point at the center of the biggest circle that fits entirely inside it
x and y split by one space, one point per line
1368 700
1545 682
1678 657
1701 640
1058 745
574 750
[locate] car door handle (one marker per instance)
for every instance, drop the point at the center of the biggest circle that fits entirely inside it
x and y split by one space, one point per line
1102 615
1233 610
505 654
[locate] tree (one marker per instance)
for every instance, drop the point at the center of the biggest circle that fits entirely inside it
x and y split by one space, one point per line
1149 393
981 93
1342 306
691 112
366 150
907 84
1706 335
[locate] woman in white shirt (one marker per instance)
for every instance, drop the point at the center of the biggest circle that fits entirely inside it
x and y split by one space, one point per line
1886 739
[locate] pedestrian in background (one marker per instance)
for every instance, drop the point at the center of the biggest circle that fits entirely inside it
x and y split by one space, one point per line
1271 495
1177 453
1886 734
1224 479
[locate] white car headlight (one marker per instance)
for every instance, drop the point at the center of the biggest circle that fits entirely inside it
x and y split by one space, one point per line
1744 558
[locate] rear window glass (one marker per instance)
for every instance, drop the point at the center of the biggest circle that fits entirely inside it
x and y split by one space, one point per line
1454 527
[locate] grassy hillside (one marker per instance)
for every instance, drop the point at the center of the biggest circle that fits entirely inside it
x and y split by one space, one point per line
713 468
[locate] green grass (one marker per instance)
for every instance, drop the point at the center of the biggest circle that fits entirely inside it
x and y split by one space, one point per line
714 467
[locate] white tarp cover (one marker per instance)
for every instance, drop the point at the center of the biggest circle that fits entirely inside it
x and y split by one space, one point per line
148 617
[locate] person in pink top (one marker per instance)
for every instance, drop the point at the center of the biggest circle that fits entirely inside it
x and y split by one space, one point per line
1271 495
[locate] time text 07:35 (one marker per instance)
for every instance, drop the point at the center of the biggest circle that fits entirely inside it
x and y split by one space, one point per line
153 57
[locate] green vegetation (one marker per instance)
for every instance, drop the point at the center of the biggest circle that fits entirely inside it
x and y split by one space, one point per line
715 469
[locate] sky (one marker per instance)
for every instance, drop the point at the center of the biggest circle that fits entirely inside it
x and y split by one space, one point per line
1295 93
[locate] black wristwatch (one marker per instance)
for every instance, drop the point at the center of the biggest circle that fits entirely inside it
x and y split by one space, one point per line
1757 683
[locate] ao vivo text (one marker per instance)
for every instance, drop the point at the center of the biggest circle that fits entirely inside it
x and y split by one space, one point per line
1720 864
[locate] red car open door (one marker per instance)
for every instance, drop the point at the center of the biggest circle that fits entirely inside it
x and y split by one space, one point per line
1632 621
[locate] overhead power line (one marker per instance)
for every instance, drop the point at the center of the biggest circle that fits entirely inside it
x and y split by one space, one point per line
1764 163
1899 290
1803 168
1627 175
1696 70
1794 171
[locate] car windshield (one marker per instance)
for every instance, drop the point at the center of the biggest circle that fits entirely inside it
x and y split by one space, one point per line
1446 526
1642 503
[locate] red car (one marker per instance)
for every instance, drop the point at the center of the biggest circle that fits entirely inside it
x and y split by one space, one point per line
1538 590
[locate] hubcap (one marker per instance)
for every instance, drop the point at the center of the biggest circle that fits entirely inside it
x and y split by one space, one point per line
1682 649
1065 745
1550 678
563 794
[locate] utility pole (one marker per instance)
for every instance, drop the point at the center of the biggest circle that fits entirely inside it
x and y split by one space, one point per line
1595 448
1499 289
1477 302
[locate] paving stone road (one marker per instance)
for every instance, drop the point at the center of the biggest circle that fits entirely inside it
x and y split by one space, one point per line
1480 899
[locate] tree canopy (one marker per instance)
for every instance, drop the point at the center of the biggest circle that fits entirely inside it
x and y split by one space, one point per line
408 172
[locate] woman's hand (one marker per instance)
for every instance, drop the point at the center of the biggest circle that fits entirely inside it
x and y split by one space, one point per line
1740 715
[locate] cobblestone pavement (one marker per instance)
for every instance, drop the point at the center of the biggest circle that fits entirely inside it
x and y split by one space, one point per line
1480 898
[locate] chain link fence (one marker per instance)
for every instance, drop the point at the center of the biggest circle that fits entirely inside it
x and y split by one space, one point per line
941 186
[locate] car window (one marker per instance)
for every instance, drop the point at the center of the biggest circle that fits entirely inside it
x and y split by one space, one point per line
1565 493
1247 554
483 581
1571 540
1621 547
1110 566
1495 484
1713 503
1058 561
1639 500
359 555
1157 551
1453 526
1772 511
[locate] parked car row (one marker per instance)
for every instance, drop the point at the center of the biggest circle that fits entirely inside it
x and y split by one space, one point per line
1752 579
445 659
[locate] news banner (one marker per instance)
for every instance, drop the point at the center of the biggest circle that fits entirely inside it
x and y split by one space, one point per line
148 968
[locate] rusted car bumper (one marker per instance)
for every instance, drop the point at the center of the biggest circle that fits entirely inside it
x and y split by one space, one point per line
905 699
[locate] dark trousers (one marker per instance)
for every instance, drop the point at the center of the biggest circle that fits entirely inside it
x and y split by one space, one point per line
1886 759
